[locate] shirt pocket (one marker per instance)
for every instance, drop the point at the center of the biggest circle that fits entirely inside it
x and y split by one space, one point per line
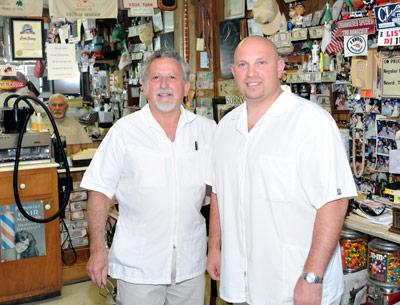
192 168
276 179
147 167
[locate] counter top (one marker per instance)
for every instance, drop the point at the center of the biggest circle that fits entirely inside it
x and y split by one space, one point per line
27 165
361 224
72 169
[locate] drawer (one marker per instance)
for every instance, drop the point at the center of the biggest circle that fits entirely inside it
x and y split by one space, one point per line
29 184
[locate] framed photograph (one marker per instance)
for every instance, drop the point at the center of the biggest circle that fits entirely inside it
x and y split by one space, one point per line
339 92
233 9
27 39
228 40
220 108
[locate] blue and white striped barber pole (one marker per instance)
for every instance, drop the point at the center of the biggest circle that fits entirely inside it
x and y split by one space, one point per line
7 230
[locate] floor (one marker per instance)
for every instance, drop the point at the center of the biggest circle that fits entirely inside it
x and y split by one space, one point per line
86 293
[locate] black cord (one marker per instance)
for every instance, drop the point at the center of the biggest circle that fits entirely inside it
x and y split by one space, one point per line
68 240
68 186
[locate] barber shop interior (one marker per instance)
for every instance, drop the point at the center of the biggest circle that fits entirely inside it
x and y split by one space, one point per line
176 152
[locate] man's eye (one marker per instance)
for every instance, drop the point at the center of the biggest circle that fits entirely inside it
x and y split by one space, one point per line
241 65
262 62
155 77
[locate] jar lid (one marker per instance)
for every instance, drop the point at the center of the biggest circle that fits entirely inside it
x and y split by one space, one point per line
381 244
348 233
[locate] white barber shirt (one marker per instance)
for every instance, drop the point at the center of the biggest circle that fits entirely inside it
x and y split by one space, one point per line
160 187
270 182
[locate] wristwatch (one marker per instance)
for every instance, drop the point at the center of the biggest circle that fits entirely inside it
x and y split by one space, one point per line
311 278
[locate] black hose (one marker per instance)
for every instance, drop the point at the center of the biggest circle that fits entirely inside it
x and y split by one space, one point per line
68 186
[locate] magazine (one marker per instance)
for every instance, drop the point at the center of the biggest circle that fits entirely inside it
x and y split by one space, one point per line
19 237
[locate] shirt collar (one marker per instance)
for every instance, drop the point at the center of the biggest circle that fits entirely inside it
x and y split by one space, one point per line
277 109
185 117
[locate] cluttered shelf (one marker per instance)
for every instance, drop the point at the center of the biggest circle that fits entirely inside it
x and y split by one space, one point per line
361 224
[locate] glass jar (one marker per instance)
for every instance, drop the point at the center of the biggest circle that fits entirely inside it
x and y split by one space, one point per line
353 248
384 262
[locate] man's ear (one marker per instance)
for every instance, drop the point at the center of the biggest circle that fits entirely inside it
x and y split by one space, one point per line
186 89
281 67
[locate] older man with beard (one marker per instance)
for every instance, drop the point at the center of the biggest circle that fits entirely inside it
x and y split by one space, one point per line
156 163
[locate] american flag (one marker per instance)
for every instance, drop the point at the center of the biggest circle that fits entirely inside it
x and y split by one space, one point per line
336 44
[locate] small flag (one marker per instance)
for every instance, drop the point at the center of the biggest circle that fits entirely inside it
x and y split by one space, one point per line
336 44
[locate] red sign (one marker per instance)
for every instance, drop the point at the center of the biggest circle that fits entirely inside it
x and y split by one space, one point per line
10 84
356 27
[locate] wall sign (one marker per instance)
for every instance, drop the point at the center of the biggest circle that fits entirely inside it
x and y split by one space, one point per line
358 26
389 37
391 76
28 8
355 45
387 16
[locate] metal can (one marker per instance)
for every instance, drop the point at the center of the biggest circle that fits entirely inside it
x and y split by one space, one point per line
384 262
353 248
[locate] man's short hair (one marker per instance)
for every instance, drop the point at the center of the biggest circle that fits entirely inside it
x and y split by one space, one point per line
166 53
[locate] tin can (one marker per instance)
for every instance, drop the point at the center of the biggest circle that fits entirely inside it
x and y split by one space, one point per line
354 249
384 262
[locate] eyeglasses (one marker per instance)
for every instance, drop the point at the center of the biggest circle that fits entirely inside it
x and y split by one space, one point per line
371 208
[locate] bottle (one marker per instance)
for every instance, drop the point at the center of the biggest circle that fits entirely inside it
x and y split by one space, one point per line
33 122
39 122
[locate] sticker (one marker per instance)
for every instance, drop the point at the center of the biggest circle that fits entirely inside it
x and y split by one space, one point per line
355 45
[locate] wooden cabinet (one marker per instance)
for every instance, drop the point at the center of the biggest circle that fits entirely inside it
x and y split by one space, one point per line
40 276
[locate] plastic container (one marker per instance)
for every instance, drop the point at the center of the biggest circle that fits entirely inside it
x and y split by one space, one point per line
354 250
384 262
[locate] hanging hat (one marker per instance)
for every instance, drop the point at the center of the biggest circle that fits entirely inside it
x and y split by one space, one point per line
266 13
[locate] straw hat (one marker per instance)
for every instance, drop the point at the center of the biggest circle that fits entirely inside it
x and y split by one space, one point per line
266 13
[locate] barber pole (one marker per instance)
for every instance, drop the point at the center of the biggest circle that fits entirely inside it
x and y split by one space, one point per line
7 230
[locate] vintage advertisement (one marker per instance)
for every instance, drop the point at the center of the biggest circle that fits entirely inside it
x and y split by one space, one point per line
21 238
391 76
90 9
26 8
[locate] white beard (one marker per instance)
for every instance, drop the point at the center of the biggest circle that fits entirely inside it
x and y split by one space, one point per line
165 107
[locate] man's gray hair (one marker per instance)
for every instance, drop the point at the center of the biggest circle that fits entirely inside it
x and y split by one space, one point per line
165 53
58 96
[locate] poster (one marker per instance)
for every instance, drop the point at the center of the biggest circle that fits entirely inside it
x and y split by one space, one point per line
90 9
61 62
21 238
391 76
26 8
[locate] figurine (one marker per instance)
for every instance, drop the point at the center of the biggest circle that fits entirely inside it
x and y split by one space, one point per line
297 12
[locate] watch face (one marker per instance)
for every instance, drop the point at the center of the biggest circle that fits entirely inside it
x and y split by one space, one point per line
310 277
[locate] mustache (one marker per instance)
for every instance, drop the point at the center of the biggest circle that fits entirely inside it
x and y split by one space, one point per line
165 91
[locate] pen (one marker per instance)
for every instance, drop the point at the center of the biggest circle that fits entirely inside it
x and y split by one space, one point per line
195 145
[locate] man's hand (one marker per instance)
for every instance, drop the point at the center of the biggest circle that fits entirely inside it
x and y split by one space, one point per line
97 267
214 264
307 294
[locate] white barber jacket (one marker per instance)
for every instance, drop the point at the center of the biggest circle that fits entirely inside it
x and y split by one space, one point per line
270 183
160 187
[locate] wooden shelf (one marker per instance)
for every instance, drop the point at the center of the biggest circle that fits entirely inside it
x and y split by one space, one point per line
76 272
361 224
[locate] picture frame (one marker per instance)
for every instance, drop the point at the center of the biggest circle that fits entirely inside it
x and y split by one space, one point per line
220 108
234 9
27 39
